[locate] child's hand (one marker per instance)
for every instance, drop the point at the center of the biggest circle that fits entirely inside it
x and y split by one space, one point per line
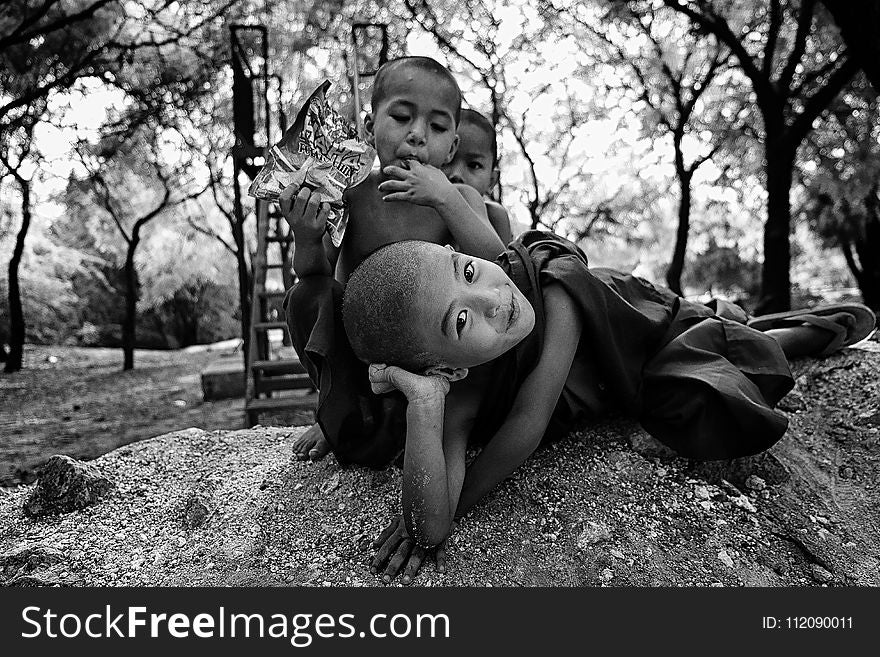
304 213
415 387
397 548
421 184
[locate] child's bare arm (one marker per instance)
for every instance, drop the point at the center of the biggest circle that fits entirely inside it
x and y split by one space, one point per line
461 207
307 219
523 429
500 221
469 224
436 439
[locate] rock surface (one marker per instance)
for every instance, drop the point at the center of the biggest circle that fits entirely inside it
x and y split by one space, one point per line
65 484
604 507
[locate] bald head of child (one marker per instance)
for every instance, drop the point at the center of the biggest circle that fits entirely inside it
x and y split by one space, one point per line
424 68
416 107
419 305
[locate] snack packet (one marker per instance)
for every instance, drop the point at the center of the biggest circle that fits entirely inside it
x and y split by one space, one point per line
319 151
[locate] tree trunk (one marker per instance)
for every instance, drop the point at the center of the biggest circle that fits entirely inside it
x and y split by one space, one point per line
131 298
244 278
15 357
775 279
676 267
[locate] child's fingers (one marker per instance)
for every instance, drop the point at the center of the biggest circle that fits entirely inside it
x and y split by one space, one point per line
310 212
416 559
300 200
380 380
393 186
385 551
398 196
397 172
323 213
390 529
285 199
382 388
397 560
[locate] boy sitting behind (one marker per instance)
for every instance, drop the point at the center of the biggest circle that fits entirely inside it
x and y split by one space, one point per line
476 164
416 110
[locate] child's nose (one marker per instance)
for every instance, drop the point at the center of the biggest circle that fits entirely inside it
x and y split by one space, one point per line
453 172
416 134
491 301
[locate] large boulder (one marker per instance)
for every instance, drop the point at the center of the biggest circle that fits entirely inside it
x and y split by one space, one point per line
603 507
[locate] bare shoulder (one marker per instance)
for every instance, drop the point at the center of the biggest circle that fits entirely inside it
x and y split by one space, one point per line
499 219
364 190
471 195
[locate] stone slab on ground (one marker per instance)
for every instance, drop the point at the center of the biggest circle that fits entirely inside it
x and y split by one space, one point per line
600 508
223 379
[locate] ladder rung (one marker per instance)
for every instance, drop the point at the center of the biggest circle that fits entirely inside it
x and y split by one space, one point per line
266 326
273 265
282 239
272 294
280 366
283 382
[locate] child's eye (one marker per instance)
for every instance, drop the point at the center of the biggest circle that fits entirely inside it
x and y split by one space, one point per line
469 272
400 117
460 322
439 128
475 165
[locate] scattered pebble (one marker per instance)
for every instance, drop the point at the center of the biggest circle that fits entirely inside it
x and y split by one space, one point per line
331 483
593 533
724 558
701 493
755 483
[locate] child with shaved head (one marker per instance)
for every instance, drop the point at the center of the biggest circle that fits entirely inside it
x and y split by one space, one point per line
416 108
505 353
476 164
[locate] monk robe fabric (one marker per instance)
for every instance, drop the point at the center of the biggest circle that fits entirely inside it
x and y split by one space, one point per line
693 375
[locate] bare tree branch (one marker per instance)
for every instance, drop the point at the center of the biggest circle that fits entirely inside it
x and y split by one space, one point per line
805 22
772 36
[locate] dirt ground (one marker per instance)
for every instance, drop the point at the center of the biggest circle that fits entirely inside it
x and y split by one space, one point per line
78 401
606 506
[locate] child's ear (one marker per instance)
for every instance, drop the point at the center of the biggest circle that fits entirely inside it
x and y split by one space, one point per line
496 174
451 374
368 128
452 151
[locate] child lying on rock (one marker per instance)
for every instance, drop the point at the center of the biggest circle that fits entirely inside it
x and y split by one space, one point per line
506 353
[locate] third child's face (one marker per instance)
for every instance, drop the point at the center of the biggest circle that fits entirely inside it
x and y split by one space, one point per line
416 119
471 311
472 164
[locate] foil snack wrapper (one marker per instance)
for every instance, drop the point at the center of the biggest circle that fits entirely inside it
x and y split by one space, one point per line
320 151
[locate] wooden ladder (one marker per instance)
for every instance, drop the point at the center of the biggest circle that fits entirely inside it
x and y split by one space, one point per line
275 382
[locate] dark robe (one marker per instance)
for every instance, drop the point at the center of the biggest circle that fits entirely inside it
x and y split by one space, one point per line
693 375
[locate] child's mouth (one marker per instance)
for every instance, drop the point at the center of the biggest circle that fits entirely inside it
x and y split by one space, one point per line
514 310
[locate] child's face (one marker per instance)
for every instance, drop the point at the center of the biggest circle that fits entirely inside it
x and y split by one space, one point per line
470 311
472 164
415 119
